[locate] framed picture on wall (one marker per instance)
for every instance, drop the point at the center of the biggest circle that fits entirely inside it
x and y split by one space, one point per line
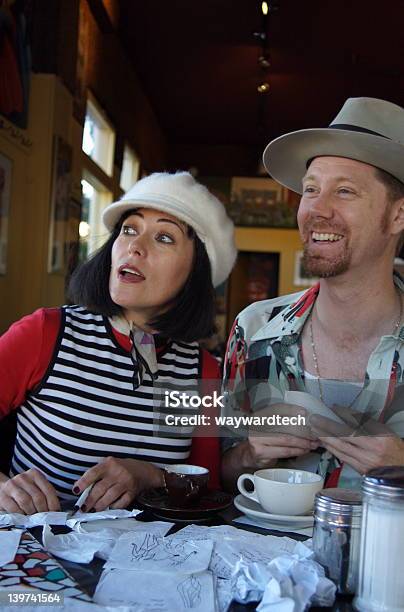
60 202
262 202
301 278
5 196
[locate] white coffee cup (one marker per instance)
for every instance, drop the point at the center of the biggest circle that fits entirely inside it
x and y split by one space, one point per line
282 491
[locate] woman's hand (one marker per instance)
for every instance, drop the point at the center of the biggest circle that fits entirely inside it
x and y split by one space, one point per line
28 493
117 482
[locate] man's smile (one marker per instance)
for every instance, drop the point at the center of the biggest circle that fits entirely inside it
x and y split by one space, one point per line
325 237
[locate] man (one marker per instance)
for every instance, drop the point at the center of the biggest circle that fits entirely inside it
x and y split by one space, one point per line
342 340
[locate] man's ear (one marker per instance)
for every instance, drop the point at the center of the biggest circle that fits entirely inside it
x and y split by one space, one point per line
398 217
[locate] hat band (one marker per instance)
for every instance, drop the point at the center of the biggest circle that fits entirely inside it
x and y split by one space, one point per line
355 128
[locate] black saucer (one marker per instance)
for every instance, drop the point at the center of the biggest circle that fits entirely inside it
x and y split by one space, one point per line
156 500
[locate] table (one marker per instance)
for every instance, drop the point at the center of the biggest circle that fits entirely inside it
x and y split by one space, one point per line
88 575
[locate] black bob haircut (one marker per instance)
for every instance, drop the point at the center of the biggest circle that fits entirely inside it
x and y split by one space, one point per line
191 316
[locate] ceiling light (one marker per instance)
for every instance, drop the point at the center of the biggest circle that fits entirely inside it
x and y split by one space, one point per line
263 88
263 62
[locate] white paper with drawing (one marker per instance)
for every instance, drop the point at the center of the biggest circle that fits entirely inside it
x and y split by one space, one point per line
148 551
157 591
232 545
216 533
228 553
82 547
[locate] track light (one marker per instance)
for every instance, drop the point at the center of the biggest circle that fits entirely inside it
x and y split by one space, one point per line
263 88
260 35
263 62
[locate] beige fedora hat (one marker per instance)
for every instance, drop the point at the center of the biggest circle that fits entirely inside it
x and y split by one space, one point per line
366 129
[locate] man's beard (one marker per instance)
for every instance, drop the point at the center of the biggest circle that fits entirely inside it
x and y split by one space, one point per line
315 265
322 267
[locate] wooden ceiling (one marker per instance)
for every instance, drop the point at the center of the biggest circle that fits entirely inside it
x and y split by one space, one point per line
198 63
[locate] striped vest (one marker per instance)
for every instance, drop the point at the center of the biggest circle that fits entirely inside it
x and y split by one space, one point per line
86 408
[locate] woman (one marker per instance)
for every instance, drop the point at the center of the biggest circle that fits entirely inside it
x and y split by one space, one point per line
85 379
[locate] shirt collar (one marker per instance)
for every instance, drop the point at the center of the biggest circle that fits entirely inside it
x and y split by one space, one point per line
291 319
143 343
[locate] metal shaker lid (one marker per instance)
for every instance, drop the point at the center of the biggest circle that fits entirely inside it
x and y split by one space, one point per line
338 504
385 481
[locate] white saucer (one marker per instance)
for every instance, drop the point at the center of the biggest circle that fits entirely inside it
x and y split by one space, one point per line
253 510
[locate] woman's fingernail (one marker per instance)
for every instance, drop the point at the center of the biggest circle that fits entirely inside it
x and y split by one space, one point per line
83 508
76 490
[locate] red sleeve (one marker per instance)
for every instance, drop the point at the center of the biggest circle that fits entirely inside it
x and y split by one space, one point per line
25 352
206 446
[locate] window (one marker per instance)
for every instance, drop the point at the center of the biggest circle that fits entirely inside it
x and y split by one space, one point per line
98 137
99 178
130 168
91 229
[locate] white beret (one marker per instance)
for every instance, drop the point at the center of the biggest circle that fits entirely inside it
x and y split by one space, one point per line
183 197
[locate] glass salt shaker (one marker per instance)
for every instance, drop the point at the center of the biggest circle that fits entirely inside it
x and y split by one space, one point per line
336 535
381 559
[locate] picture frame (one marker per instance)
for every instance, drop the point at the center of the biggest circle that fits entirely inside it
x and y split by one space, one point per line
301 278
6 167
60 202
262 202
